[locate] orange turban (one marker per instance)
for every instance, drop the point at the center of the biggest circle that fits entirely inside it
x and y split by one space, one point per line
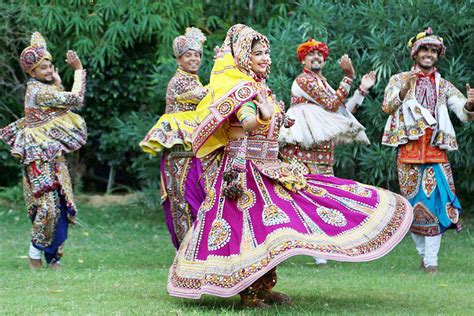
312 45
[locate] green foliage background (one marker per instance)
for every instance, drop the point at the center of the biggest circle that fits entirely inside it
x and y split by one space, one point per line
126 48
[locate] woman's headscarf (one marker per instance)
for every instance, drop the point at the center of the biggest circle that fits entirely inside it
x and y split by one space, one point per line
232 84
238 42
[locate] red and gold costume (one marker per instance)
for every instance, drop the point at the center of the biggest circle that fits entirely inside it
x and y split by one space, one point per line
322 117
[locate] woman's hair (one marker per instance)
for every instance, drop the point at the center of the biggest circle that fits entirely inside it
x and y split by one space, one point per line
255 42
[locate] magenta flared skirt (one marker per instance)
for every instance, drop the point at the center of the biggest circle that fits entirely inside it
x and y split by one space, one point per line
234 242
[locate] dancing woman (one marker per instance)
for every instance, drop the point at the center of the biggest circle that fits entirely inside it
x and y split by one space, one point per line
261 211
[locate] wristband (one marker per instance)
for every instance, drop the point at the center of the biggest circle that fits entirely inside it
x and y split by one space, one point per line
264 122
347 79
362 92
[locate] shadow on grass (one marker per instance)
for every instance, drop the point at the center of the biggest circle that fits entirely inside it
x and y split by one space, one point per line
359 303
311 303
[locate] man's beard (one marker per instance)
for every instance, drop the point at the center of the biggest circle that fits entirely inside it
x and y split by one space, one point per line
316 68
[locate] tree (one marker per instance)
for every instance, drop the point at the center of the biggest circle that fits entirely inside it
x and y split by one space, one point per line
127 51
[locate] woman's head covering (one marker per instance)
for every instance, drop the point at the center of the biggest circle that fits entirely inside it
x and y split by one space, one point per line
231 84
192 39
426 38
311 45
239 42
34 54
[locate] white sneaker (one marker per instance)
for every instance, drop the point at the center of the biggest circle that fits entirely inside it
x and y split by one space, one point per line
320 262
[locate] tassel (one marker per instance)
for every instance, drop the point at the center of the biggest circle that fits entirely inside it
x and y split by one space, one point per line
233 188
287 121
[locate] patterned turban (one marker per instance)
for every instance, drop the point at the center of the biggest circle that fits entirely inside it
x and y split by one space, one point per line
312 45
426 38
192 39
34 54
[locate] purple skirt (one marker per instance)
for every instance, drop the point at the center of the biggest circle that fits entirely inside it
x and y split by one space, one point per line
182 193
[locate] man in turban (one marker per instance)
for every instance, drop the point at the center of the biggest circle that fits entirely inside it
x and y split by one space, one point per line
182 182
419 126
40 140
323 116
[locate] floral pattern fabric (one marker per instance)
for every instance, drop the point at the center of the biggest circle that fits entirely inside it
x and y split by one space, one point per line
409 119
281 213
49 128
430 189
48 131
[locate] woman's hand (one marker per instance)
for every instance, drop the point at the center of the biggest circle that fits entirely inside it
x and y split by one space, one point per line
265 106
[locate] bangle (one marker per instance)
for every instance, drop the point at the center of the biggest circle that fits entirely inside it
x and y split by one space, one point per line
362 92
264 122
347 79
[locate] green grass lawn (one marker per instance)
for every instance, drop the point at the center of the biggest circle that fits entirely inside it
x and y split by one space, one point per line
116 263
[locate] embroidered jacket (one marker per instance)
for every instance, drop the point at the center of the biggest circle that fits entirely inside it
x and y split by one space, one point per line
409 119
322 114
184 92
308 87
49 127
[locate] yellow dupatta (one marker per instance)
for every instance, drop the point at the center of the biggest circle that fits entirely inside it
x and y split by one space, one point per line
204 129
229 88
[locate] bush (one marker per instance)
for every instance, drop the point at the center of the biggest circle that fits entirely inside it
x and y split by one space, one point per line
127 51
12 195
